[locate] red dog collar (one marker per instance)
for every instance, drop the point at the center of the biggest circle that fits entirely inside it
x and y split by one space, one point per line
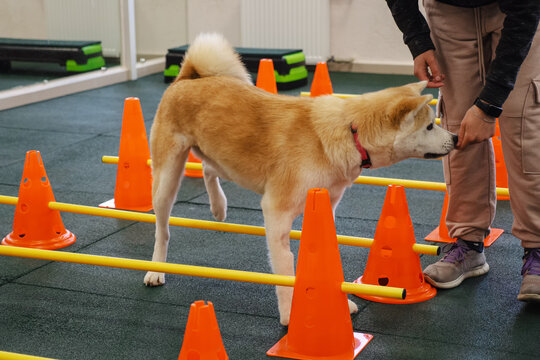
366 161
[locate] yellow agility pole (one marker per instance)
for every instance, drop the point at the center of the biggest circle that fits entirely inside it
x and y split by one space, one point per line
205 224
366 180
411 184
14 356
9 200
189 270
107 159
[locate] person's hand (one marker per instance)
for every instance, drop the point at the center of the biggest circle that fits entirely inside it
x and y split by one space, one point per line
427 68
475 127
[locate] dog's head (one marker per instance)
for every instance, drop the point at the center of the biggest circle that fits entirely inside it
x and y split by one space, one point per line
399 124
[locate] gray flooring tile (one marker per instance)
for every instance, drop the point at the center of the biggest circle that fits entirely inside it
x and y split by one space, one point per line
73 311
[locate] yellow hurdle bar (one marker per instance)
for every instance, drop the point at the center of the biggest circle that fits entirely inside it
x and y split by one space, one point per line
106 159
205 224
189 270
366 180
4 355
411 184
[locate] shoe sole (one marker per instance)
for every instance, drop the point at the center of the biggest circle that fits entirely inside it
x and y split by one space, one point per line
529 297
481 270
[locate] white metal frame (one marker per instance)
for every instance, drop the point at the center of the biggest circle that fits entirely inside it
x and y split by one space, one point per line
129 69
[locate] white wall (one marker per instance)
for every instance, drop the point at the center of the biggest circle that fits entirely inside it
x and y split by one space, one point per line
22 19
160 25
363 33
214 16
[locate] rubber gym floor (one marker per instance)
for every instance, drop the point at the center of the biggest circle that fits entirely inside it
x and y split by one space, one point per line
73 311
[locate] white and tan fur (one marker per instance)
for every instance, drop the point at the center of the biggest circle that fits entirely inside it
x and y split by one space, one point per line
278 146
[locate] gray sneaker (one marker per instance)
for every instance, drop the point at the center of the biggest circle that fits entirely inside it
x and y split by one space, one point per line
530 286
459 263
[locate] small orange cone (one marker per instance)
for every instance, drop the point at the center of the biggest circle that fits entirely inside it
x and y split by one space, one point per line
440 233
34 224
391 260
501 175
320 325
266 78
321 84
202 339
133 190
190 172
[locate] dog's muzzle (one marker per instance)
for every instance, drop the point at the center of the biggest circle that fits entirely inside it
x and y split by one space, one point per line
451 147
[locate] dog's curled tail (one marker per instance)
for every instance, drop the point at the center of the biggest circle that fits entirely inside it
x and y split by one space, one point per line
210 54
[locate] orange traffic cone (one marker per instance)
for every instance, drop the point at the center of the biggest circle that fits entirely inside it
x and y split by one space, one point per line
34 224
391 260
266 78
321 84
320 325
501 175
440 233
202 339
191 172
133 190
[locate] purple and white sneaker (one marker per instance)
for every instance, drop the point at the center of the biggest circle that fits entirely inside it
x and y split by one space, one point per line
530 285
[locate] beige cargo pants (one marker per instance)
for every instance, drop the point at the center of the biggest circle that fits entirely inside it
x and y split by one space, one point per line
465 41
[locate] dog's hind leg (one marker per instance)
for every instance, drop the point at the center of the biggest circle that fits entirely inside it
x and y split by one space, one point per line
218 201
278 222
167 179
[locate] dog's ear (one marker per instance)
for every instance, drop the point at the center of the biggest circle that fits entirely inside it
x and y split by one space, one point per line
418 87
411 104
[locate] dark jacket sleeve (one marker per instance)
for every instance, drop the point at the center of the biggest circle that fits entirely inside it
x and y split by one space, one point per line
518 31
412 24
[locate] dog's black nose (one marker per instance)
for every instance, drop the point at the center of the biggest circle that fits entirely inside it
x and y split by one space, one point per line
455 138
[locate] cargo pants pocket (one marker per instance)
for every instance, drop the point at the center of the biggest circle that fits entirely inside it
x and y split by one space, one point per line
530 129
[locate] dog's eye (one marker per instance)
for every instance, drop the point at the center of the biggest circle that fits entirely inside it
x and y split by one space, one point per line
430 126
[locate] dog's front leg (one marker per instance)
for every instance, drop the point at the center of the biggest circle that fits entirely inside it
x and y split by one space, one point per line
335 197
278 223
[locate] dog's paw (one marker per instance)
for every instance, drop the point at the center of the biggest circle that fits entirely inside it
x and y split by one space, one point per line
284 295
219 212
284 312
284 319
154 279
353 308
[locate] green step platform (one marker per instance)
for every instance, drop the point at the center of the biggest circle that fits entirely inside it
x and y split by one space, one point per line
76 56
289 64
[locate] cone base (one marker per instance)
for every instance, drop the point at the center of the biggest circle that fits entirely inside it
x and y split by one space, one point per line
110 204
193 173
488 241
422 293
59 242
281 349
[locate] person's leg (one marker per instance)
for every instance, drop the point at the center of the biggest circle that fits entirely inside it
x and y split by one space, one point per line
463 53
464 50
520 133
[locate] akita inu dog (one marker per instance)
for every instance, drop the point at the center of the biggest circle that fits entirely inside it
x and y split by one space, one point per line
277 146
